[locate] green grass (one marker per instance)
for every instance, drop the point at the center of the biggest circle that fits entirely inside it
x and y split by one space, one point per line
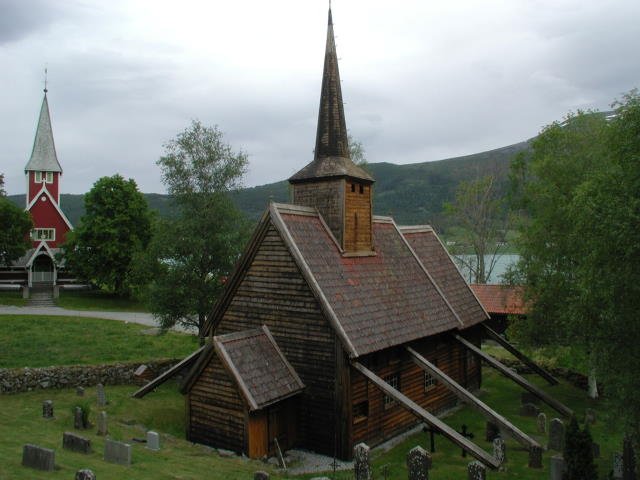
572 358
98 300
12 298
39 341
163 411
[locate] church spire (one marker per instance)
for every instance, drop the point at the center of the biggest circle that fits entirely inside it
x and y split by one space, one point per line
43 156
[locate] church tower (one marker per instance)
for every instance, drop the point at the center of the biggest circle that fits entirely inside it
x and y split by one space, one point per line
332 183
43 172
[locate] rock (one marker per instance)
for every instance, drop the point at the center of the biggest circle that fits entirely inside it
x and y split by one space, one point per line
39 458
529 410
228 453
85 474
418 464
76 443
361 462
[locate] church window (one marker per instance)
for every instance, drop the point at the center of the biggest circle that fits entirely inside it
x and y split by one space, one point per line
353 187
361 188
37 177
47 234
49 177
394 381
429 380
471 360
360 411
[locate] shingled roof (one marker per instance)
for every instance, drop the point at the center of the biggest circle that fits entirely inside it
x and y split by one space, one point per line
261 371
500 299
43 156
440 265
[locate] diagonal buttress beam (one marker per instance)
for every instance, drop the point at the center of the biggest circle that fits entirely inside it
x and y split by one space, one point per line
521 356
519 379
472 400
430 419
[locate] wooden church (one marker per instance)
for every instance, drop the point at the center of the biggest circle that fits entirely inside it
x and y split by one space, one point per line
337 326
39 267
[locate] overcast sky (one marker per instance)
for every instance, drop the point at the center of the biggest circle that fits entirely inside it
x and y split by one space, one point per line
421 80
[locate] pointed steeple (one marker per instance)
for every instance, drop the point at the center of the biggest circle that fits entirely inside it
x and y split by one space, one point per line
43 156
331 157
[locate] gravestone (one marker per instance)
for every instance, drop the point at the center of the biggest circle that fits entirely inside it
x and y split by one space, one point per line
529 410
500 450
39 458
535 457
590 416
85 474
596 449
153 440
491 431
476 471
528 397
557 467
628 460
80 391
76 443
361 462
78 420
102 423
556 435
260 475
47 409
100 395
541 422
617 465
418 464
117 452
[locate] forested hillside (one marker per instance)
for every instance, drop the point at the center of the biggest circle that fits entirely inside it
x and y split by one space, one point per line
412 194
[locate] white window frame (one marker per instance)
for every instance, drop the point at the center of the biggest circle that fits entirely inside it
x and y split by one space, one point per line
430 381
394 381
37 177
48 177
37 234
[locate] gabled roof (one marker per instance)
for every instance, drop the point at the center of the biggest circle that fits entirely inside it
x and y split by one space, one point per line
51 252
44 191
441 266
372 302
331 156
501 299
256 364
43 156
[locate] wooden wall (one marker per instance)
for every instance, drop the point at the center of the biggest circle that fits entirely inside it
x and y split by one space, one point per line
328 197
357 217
383 422
274 293
215 410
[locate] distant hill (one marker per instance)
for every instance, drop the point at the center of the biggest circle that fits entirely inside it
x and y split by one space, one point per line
412 194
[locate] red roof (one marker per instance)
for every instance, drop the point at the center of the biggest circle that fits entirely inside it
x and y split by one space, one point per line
500 299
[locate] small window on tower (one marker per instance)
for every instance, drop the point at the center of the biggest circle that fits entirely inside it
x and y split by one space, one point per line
353 187
361 188
49 176
37 177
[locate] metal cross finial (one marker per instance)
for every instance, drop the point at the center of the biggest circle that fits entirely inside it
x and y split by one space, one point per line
45 80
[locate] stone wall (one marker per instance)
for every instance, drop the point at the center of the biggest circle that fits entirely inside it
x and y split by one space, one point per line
18 380
574 378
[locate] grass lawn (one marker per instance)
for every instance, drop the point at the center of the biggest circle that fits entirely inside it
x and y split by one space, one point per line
12 298
40 341
163 411
97 300
572 358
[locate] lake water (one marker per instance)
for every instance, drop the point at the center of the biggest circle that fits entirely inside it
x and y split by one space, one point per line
504 261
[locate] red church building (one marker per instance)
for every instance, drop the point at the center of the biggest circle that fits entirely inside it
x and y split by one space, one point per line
39 266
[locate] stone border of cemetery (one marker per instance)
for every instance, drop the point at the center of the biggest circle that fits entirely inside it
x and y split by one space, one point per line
18 380
576 379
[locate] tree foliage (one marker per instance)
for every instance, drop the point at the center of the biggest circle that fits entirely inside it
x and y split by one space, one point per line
479 210
578 453
580 250
15 225
194 253
116 226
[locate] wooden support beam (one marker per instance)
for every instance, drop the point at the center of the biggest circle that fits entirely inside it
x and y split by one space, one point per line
431 420
472 400
506 371
520 356
160 379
